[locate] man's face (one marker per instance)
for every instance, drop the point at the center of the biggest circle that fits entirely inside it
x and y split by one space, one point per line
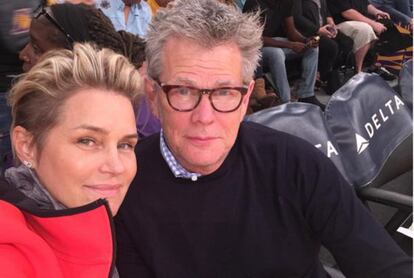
200 139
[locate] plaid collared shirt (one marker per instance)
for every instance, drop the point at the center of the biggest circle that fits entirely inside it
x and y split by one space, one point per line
175 167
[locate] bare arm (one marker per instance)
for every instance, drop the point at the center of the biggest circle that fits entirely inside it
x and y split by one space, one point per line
292 33
330 20
352 14
376 12
298 47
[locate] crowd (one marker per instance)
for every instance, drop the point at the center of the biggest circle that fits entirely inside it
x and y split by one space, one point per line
135 109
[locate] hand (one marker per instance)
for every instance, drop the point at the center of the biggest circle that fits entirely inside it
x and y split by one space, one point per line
327 31
312 42
332 29
381 14
378 28
298 47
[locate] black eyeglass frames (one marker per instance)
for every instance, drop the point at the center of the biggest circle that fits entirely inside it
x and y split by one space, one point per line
184 98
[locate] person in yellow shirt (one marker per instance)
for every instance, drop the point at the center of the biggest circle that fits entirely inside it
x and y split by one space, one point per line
156 4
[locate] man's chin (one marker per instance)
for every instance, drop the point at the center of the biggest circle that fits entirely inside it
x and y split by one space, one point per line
203 164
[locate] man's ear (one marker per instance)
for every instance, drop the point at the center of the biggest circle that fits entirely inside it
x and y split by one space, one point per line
23 145
151 94
246 99
249 92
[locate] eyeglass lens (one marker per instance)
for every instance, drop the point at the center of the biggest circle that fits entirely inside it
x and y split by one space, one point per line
226 99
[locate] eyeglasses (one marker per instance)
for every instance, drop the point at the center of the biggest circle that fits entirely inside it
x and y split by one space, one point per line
186 98
41 10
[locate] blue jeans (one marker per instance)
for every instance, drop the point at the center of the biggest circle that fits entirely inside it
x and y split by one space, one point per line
399 10
274 60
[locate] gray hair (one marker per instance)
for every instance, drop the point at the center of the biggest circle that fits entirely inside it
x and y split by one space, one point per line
209 23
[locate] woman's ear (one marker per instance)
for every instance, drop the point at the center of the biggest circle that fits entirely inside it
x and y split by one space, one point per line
23 145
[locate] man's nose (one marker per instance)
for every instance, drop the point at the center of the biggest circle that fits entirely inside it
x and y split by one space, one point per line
204 112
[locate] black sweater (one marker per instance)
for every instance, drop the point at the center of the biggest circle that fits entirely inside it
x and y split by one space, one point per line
264 213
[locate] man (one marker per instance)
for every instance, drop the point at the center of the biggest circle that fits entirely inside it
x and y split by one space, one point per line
312 18
354 19
130 15
217 198
399 10
283 42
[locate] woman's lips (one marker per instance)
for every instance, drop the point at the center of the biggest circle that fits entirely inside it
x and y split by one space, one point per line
104 190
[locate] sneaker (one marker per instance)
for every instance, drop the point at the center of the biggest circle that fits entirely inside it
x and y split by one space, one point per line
268 100
312 100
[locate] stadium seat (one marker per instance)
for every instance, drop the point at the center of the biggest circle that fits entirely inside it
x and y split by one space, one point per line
405 82
372 127
369 130
303 120
369 121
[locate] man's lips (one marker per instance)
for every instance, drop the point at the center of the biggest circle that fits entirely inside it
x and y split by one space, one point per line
201 140
104 190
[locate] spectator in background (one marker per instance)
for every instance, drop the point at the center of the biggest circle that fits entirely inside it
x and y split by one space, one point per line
86 2
399 10
134 16
15 19
281 41
312 18
156 4
353 18
240 3
129 15
60 25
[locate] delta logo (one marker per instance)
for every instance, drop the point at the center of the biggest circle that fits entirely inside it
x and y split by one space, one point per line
376 122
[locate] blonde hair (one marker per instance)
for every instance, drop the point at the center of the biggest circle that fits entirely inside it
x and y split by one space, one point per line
38 95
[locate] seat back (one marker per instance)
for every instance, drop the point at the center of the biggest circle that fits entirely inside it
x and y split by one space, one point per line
369 122
406 83
302 120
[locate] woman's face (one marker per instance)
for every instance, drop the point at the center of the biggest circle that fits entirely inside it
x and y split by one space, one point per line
41 31
89 153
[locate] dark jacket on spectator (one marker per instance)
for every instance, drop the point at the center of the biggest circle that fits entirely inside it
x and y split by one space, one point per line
337 7
306 14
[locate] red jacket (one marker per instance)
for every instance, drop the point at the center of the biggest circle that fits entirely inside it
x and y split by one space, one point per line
76 242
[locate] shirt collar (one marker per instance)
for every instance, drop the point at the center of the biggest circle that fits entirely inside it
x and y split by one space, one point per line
134 8
175 167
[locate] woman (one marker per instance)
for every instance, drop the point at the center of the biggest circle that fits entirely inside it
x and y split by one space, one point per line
61 25
73 135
